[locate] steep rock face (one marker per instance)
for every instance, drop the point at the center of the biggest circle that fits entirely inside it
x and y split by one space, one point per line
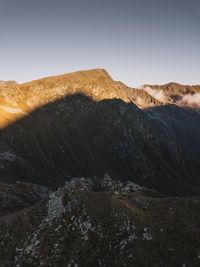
132 226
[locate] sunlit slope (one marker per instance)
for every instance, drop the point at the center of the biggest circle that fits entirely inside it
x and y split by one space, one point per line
12 103
96 84
17 100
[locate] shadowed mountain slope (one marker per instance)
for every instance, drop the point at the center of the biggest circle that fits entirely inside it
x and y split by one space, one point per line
77 136
181 123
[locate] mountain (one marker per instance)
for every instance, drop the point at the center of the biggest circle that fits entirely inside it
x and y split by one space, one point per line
18 100
175 93
86 124
95 173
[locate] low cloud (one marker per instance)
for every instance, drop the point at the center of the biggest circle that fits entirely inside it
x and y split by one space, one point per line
191 100
157 94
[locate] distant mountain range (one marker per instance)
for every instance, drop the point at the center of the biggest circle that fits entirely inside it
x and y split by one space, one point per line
91 166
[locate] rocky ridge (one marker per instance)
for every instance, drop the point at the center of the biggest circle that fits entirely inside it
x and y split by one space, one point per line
16 100
101 222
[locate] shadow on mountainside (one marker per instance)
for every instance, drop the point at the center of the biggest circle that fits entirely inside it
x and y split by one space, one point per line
182 123
76 136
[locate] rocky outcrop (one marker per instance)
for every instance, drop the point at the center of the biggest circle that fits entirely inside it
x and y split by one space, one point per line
85 223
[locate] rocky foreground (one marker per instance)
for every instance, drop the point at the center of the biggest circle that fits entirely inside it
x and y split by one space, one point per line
97 222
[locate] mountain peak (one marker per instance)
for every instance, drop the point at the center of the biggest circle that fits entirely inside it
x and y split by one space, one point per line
83 76
95 83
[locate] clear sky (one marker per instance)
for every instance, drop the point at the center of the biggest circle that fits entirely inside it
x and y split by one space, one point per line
136 41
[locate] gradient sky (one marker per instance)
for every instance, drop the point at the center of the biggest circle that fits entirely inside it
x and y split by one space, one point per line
136 41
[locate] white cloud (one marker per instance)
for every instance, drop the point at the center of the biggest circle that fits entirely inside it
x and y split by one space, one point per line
158 94
191 100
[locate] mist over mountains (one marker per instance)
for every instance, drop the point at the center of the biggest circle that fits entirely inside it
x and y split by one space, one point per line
96 139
